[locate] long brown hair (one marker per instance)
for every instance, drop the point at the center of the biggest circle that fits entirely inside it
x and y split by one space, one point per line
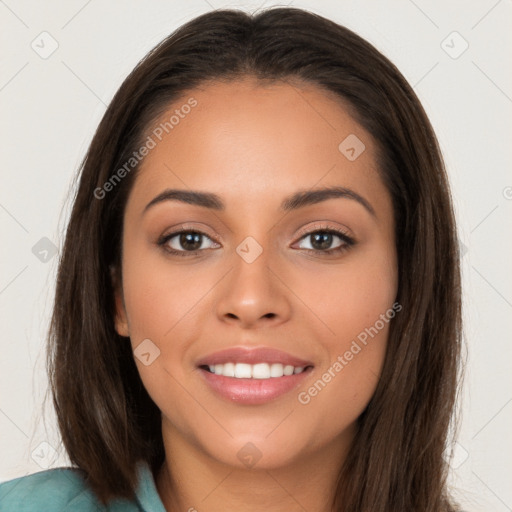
108 421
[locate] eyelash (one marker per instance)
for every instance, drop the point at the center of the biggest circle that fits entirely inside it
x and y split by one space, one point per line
348 241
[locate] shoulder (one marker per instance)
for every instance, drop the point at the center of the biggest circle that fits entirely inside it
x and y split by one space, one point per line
51 490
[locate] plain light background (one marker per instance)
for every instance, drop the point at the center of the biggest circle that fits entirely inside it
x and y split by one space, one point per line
52 103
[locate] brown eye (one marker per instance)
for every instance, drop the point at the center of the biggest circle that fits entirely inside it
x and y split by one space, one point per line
323 240
185 241
190 241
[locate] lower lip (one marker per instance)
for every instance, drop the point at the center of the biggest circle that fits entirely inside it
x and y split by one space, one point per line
253 391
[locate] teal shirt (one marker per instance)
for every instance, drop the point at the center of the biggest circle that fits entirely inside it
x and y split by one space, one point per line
63 489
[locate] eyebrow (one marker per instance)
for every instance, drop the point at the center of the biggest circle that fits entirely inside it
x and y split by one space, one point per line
297 200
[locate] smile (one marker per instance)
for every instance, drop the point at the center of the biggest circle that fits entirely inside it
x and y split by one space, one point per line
254 371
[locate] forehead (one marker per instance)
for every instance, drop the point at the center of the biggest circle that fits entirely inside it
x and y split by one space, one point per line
244 138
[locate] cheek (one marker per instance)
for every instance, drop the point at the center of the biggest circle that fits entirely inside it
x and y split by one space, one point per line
160 307
158 294
351 296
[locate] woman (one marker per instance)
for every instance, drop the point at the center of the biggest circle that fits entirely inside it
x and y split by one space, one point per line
258 299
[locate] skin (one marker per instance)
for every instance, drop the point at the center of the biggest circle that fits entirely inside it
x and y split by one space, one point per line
254 145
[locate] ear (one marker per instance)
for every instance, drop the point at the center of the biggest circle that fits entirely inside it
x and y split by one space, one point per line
121 319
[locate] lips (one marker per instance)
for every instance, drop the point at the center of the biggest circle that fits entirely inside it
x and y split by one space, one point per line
253 356
253 376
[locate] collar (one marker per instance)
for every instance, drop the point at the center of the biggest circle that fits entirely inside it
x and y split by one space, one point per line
146 492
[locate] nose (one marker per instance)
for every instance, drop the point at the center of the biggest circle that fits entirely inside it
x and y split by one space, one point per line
253 295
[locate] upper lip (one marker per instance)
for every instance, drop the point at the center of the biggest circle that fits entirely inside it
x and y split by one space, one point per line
252 356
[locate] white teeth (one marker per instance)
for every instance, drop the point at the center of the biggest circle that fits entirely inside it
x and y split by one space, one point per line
288 369
228 370
276 370
242 371
254 371
260 371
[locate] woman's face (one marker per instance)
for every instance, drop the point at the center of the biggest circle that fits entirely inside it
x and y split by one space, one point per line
253 272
